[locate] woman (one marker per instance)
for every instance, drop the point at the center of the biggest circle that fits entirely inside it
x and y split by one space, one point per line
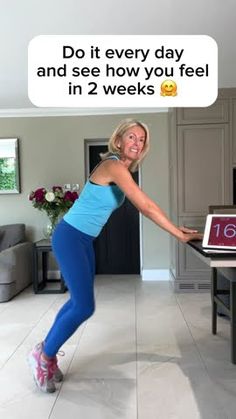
72 241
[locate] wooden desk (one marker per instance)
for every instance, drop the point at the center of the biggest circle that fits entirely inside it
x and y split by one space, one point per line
226 264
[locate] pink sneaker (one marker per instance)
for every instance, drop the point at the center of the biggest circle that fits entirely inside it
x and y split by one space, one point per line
43 371
58 374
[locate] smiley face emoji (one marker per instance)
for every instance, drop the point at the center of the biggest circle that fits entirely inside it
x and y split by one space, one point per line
168 88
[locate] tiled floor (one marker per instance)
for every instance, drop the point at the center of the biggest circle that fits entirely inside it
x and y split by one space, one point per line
147 353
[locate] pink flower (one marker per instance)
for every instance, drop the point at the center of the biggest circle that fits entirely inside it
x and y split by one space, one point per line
68 196
39 194
75 195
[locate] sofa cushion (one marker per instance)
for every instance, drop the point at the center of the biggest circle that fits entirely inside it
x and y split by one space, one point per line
11 235
7 258
6 276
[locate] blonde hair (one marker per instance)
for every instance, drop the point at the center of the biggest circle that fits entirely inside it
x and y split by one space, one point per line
119 132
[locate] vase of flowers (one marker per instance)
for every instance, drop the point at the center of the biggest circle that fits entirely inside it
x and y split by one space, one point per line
55 202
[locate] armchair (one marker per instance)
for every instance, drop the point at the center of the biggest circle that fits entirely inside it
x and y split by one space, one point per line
16 255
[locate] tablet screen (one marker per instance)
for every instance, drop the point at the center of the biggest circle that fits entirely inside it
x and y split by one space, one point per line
222 231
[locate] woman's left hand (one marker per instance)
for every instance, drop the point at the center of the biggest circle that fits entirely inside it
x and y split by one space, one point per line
187 230
190 234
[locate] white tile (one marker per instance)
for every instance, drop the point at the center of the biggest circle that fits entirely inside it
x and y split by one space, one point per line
104 339
96 398
175 389
112 314
104 365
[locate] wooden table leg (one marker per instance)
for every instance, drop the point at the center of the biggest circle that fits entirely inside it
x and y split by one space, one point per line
214 304
35 277
233 320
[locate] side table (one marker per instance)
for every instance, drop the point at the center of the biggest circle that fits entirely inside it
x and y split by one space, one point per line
42 249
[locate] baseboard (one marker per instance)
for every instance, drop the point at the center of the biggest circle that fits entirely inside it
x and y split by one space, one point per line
155 275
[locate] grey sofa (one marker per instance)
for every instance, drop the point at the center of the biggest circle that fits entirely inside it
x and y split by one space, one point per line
16 258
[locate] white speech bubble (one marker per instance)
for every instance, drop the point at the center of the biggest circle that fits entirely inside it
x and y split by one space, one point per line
122 71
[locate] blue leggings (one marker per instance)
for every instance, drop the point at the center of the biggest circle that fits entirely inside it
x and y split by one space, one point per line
75 256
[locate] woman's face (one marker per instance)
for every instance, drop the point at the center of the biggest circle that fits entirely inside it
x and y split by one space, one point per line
131 144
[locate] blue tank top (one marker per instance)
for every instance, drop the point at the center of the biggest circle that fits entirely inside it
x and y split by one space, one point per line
95 204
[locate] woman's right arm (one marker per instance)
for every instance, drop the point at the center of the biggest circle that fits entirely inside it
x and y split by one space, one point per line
122 177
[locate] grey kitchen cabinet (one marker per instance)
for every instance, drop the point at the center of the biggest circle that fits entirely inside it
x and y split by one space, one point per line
234 131
200 150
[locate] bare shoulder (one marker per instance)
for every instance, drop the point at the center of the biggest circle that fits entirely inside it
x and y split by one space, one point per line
109 170
113 167
117 170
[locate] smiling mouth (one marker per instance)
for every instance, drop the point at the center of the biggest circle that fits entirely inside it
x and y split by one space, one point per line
134 150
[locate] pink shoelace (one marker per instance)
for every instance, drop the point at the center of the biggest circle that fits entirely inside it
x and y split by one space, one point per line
45 370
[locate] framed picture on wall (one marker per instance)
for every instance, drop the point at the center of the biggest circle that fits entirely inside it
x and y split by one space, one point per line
9 166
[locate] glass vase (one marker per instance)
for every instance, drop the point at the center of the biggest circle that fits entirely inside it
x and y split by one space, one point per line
50 227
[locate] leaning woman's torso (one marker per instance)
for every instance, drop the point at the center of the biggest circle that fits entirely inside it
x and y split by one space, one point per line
94 206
